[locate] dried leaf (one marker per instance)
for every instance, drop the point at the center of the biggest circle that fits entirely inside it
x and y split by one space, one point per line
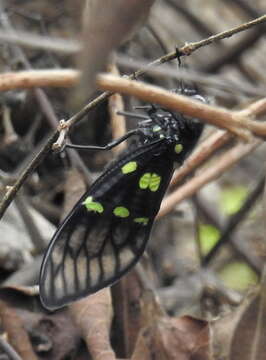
169 338
93 316
17 335
128 316
248 342
54 336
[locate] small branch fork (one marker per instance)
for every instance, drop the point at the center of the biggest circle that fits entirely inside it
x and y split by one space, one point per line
238 123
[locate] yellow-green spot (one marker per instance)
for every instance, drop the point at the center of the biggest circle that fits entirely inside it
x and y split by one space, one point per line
129 167
93 205
144 181
178 148
141 220
238 275
155 182
232 199
121 211
156 128
161 136
209 235
151 181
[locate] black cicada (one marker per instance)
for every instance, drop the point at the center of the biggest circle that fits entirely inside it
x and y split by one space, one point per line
106 233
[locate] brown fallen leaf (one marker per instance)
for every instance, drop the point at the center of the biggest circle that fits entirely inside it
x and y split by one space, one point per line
148 333
167 338
93 316
16 333
30 328
248 337
126 296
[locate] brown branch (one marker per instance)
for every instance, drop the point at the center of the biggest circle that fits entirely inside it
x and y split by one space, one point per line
12 190
38 78
232 121
68 77
60 45
189 48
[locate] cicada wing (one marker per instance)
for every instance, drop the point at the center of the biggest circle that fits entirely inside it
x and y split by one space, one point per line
108 229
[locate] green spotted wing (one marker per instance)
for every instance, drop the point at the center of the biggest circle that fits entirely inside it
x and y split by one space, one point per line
107 231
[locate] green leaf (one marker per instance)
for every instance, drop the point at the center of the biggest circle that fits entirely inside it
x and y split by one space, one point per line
238 275
233 198
209 235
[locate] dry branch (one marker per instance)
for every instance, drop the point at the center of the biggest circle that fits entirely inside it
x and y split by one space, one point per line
232 121
38 78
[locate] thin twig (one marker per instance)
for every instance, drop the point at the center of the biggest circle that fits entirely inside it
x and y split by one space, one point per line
9 350
12 190
188 49
71 47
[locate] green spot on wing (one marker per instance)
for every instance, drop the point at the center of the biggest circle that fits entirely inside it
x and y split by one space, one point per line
178 148
129 167
155 182
141 220
121 211
151 181
93 205
144 181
